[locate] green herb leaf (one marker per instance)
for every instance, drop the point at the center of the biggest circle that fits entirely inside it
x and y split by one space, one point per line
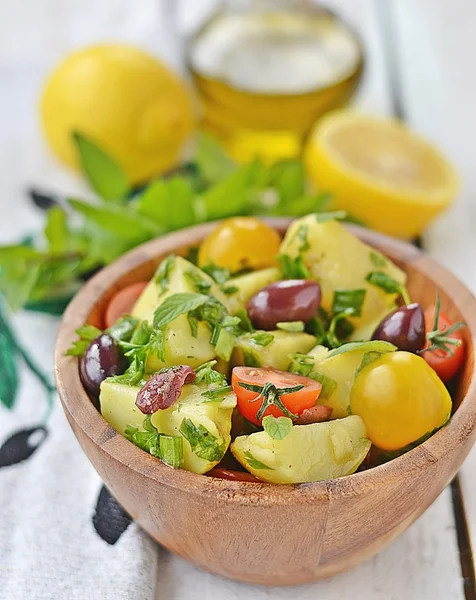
162 274
329 385
56 230
378 260
301 364
169 203
388 284
371 346
245 321
348 299
120 221
8 359
291 326
171 450
104 174
212 162
232 194
337 215
367 358
217 394
225 344
176 305
254 463
147 440
200 284
123 328
262 338
203 443
277 428
250 359
207 374
86 334
293 268
218 274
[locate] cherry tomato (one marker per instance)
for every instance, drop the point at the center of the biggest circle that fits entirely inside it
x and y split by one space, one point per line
294 403
400 399
240 243
445 364
123 302
233 475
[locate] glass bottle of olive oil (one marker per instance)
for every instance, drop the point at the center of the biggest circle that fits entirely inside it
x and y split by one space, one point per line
265 70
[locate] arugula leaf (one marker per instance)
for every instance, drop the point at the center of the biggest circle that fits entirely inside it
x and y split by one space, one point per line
291 326
277 428
388 284
377 259
203 443
293 268
254 463
168 203
56 230
86 334
104 174
348 299
262 338
176 305
120 221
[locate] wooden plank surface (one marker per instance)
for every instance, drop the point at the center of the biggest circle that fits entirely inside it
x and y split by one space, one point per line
435 49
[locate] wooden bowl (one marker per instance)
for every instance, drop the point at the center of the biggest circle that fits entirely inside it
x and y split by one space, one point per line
265 533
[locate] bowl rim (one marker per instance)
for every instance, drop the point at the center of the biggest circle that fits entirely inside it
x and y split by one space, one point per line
82 414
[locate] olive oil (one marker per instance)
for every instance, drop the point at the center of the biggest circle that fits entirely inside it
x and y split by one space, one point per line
266 73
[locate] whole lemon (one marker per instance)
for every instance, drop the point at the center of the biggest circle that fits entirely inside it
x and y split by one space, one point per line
123 99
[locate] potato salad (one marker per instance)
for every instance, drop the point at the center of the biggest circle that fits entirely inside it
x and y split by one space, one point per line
261 359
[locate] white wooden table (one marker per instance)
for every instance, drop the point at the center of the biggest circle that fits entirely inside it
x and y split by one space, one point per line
420 66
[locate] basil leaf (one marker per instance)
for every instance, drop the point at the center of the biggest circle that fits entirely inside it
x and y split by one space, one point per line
176 305
203 443
120 221
291 326
262 338
377 259
104 174
348 299
168 203
336 215
254 463
371 346
277 428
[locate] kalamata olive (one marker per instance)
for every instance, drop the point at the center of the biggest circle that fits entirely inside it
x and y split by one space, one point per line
290 300
404 327
103 358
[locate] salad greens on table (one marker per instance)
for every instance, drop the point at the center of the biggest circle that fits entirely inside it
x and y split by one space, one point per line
284 361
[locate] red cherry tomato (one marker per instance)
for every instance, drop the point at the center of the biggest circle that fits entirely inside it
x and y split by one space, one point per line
123 302
442 361
233 475
249 404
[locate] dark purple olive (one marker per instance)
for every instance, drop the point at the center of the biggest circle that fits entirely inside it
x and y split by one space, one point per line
404 327
103 358
290 300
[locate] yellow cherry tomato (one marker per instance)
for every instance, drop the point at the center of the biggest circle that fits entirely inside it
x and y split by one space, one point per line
240 243
400 399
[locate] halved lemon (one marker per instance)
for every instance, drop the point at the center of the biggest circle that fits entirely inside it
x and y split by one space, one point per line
380 172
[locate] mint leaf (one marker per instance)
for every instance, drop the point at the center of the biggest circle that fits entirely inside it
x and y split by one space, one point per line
162 274
245 321
301 364
232 194
262 338
203 443
277 428
86 334
207 374
367 359
169 203
103 172
329 385
219 274
176 305
254 463
56 230
120 221
123 328
200 284
210 159
348 299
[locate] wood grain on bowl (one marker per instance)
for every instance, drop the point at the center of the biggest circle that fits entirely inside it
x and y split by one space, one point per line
257 532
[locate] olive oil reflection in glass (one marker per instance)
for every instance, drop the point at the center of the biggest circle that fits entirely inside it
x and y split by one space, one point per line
265 74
